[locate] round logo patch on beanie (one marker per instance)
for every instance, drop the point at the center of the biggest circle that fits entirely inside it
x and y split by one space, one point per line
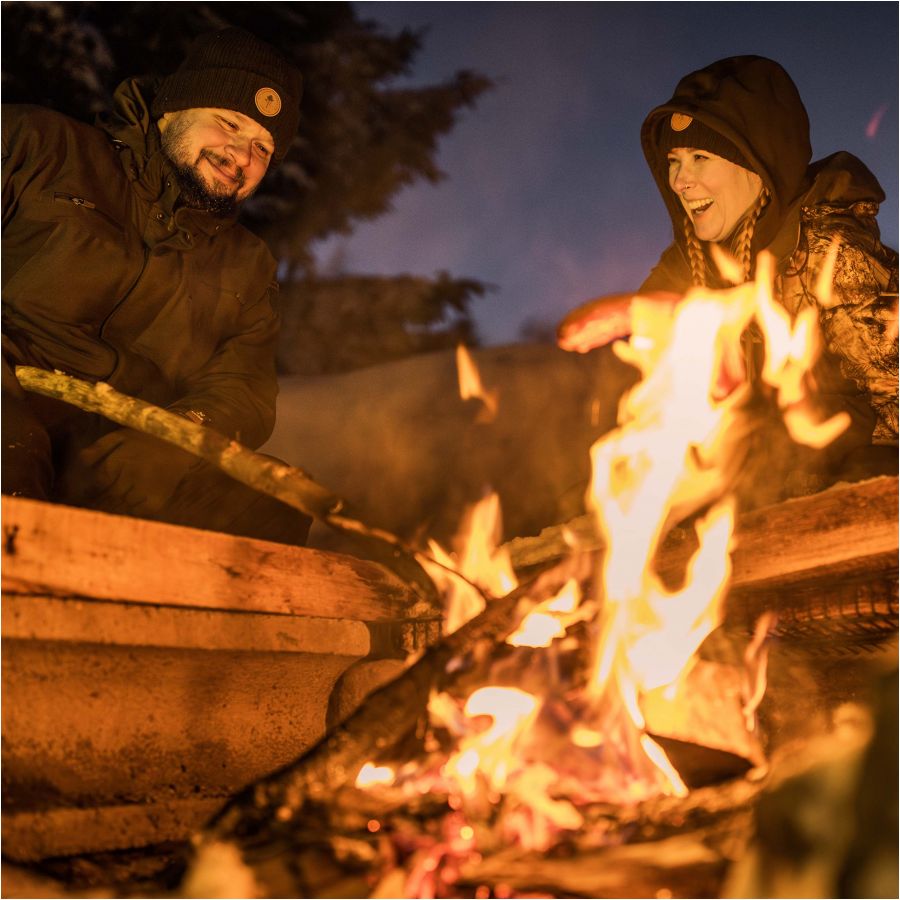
268 102
679 121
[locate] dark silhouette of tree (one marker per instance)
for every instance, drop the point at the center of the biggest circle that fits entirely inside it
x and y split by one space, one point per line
356 320
362 137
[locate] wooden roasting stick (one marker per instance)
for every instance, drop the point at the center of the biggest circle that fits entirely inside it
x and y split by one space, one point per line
290 485
287 483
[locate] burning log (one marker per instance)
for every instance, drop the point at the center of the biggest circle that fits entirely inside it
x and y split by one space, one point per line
387 716
343 845
825 558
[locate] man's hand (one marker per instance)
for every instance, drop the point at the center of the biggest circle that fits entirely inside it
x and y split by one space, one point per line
131 472
11 384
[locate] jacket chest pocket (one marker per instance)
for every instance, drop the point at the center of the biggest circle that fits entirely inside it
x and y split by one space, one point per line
87 213
69 258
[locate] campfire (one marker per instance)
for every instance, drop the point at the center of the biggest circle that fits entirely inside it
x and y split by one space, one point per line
566 729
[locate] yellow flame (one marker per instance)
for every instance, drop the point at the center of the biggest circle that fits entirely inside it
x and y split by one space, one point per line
484 565
470 385
729 268
824 288
791 351
756 658
658 757
668 459
492 752
550 619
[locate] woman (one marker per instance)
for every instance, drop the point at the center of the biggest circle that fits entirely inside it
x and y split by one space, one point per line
730 153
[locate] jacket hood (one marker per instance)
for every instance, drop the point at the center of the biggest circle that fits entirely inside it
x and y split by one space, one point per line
752 102
129 122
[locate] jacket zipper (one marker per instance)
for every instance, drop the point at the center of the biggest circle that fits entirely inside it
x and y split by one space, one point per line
127 293
86 204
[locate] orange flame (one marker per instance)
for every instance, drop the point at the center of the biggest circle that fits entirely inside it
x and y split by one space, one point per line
668 459
491 752
550 619
756 658
470 385
482 563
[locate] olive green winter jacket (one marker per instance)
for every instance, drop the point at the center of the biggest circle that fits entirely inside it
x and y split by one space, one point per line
753 102
106 277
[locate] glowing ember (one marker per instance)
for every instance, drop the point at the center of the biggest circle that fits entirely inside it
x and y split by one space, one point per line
371 774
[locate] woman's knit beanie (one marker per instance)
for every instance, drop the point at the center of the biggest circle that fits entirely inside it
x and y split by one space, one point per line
233 69
681 130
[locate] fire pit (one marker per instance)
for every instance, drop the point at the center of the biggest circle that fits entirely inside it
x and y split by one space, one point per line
568 739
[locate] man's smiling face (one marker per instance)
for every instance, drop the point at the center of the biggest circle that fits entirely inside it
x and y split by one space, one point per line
220 155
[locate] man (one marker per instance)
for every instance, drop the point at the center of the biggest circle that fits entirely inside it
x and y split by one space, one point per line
123 262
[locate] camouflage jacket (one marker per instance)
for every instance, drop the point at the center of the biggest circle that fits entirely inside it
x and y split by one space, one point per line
858 317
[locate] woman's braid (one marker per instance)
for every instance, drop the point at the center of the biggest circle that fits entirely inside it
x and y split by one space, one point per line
695 254
745 237
742 245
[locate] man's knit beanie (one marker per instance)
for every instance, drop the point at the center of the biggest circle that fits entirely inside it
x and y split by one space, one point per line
233 69
680 130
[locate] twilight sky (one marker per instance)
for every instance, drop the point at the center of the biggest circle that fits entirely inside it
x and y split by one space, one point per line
547 195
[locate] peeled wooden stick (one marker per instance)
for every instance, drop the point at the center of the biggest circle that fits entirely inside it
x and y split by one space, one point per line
288 484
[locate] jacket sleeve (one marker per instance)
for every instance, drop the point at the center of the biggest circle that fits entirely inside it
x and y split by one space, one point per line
13 158
235 391
672 273
859 318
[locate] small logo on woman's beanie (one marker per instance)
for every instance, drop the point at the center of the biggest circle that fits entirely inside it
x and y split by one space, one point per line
268 102
679 121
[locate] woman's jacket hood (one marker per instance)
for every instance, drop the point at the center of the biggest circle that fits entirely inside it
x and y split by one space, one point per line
752 102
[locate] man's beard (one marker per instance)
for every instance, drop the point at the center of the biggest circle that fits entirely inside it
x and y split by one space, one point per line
195 192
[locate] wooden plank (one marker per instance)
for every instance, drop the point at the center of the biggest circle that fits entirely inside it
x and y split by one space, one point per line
37 618
58 550
31 836
846 532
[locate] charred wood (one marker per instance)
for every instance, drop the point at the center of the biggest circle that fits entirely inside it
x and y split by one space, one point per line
387 716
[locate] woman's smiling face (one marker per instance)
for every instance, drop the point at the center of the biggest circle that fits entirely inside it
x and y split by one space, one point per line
715 193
